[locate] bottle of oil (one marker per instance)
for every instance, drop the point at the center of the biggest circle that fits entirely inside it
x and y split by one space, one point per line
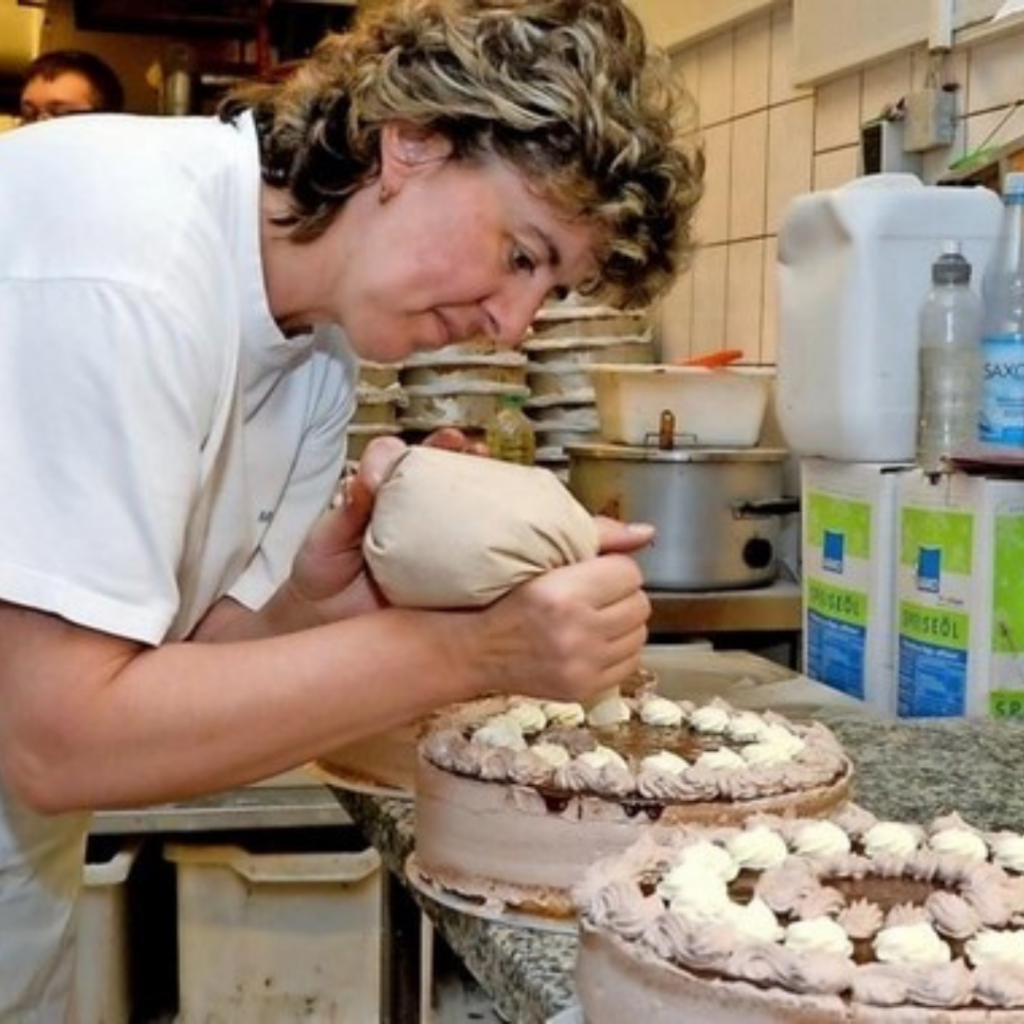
510 435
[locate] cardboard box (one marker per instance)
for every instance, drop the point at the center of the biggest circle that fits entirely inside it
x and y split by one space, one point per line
960 598
848 520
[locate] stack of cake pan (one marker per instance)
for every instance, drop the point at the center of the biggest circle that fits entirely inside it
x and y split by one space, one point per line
459 386
564 340
379 397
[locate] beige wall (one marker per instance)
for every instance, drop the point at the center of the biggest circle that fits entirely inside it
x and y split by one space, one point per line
767 142
670 20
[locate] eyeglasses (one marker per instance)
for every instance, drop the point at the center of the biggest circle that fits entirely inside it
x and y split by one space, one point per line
30 114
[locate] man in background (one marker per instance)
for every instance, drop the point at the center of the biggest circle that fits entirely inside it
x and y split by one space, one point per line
69 82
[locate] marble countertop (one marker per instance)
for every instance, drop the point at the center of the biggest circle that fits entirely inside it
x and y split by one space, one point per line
903 770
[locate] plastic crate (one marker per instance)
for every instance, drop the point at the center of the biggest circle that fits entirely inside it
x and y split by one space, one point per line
102 976
277 936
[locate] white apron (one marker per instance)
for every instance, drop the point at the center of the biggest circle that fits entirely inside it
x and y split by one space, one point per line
41 861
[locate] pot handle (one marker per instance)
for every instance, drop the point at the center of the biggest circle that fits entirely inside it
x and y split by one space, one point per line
759 508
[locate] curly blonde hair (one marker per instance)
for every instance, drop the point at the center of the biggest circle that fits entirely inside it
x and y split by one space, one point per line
566 91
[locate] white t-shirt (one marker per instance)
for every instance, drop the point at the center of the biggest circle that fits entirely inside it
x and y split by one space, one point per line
162 443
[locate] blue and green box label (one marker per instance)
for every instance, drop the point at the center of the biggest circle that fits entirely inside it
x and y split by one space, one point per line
837 599
936 549
1006 692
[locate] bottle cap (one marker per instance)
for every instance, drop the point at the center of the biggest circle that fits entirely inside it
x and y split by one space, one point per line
1013 184
951 267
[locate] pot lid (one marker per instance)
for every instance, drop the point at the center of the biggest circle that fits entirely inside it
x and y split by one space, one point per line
630 453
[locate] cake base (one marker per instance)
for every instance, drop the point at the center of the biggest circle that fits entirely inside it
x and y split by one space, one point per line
382 765
496 913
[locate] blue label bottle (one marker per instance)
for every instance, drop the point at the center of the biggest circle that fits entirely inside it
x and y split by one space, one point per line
1001 421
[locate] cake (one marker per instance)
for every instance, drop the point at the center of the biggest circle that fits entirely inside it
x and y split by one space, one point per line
512 804
796 920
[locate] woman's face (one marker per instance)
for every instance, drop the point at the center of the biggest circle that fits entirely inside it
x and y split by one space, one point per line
439 251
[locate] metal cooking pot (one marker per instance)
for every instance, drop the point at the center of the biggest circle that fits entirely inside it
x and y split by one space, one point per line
717 511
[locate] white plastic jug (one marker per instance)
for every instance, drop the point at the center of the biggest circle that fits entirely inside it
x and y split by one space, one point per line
854 266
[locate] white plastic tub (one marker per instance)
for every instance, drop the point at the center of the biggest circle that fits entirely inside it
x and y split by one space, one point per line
710 408
102 985
284 936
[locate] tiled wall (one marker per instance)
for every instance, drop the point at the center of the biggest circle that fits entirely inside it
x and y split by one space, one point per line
767 141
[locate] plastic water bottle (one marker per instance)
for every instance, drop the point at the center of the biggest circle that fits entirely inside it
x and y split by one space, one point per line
510 433
1002 406
949 362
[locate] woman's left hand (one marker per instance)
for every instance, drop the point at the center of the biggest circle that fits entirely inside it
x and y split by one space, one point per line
615 537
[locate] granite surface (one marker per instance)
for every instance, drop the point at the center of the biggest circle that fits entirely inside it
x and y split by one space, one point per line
908 771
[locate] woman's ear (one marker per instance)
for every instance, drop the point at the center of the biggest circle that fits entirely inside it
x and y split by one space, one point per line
406 151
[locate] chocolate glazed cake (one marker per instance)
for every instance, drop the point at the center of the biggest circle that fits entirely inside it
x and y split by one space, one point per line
785 920
512 805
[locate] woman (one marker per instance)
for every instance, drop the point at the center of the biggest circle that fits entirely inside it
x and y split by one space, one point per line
178 614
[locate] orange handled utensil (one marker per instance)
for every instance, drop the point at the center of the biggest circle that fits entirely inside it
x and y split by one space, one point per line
723 357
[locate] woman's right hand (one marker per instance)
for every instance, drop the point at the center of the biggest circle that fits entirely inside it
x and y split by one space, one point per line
569 633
